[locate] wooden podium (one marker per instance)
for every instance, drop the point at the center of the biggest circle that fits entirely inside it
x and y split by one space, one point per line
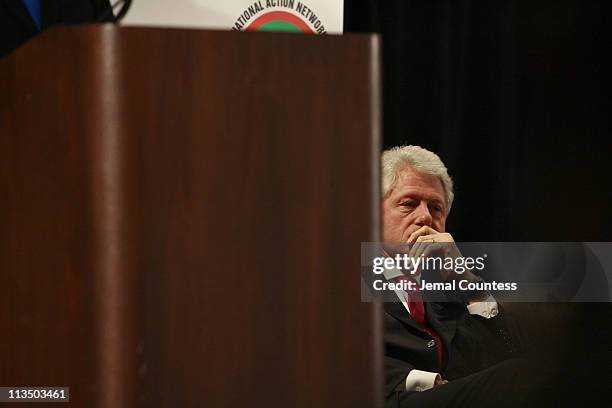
181 214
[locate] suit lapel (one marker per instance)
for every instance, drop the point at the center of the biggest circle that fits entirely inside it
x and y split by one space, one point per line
443 321
443 324
399 312
441 318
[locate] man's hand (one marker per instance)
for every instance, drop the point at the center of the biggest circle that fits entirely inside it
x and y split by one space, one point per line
423 231
428 242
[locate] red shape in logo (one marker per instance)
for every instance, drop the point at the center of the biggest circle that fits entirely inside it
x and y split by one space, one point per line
279 16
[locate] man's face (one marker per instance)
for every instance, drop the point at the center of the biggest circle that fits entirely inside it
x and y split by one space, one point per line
416 200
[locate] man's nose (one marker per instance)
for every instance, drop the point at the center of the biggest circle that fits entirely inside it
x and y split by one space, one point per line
423 215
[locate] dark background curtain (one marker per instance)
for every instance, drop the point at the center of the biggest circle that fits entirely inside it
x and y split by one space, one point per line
513 96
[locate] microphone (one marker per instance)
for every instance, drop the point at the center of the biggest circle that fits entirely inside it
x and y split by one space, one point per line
110 15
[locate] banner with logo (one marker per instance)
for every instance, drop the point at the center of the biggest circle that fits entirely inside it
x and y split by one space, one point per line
305 16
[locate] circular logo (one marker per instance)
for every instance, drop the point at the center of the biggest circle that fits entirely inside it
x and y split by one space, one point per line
279 21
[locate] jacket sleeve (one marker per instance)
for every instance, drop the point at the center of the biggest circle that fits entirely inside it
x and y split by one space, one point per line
396 372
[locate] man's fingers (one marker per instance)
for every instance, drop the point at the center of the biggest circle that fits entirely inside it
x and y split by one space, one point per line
427 249
436 237
416 237
436 244
424 230
424 241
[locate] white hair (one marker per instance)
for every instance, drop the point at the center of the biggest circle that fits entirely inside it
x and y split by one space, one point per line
421 160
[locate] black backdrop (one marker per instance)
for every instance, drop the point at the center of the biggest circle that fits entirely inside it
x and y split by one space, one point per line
510 94
513 97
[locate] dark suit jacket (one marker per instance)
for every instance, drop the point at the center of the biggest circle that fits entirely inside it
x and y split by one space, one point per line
16 25
471 343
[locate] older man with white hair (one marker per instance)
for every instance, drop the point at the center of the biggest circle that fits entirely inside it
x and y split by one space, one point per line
453 353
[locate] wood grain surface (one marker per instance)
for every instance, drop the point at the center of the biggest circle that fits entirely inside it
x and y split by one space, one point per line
181 214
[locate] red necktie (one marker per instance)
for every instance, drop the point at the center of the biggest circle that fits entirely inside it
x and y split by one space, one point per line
417 311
